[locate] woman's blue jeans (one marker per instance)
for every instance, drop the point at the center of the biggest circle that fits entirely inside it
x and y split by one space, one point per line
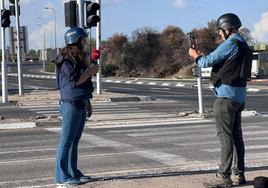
73 122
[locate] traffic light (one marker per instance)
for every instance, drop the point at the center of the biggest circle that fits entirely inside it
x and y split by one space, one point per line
70 14
13 10
91 18
12 1
5 18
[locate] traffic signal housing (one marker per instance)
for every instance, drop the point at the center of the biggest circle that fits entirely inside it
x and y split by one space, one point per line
13 10
5 18
12 1
70 14
91 14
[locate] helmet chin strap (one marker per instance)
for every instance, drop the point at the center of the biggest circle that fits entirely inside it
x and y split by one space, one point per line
226 36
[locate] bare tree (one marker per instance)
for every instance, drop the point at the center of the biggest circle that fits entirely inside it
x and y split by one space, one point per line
246 34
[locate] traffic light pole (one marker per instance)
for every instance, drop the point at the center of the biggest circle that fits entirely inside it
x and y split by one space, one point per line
4 63
200 91
18 49
98 41
81 23
80 4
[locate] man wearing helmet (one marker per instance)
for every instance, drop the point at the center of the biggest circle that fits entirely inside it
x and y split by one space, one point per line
231 65
74 74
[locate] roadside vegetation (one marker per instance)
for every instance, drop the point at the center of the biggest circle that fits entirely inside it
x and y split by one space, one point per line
149 53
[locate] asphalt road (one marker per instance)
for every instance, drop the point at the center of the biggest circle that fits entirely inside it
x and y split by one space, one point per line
186 145
27 155
183 97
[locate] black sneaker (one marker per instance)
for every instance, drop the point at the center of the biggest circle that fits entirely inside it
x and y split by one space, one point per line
238 179
218 181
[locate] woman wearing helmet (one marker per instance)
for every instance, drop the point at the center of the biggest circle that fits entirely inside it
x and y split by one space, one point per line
74 81
231 66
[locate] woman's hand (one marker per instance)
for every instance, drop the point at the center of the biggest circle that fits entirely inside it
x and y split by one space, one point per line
93 70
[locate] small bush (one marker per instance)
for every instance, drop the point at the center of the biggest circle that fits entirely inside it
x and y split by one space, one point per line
50 67
109 70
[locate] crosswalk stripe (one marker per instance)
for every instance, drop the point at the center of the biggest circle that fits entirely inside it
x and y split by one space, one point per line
194 125
95 106
47 112
216 142
176 138
247 147
159 156
203 131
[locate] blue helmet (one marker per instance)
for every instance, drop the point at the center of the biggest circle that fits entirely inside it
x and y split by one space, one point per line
74 34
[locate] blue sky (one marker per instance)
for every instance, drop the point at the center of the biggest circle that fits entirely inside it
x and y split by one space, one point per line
125 16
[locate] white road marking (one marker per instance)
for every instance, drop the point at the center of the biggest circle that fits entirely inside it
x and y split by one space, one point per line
165 84
159 156
247 147
180 85
160 129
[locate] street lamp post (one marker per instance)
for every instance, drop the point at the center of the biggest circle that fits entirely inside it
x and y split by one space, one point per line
4 62
44 46
44 57
54 11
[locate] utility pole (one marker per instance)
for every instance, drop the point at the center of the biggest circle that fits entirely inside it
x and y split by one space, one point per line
18 49
55 25
98 41
4 62
44 51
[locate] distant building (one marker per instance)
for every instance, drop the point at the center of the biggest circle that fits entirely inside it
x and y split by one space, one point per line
23 37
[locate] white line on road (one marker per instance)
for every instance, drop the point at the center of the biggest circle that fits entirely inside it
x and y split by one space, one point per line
175 138
216 142
161 157
160 129
47 112
167 132
180 85
148 123
249 147
165 84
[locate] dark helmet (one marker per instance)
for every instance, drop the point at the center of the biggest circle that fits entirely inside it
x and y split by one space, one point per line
74 34
228 21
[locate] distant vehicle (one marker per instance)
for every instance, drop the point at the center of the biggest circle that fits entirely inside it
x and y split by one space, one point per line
206 72
259 65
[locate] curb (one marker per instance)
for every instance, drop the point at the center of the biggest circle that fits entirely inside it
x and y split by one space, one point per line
124 99
21 125
130 99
